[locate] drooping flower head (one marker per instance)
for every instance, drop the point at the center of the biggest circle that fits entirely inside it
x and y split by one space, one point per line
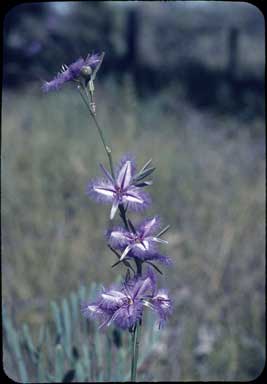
141 242
124 188
73 72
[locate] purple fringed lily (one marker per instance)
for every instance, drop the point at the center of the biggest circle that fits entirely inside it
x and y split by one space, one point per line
162 304
72 72
122 306
119 190
141 242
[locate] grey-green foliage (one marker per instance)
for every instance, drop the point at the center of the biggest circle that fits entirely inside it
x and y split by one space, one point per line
72 348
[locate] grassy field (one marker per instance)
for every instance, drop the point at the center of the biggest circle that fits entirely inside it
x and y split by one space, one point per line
209 186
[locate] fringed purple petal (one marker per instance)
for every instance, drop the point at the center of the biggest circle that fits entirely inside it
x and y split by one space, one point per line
92 60
93 311
125 175
153 279
137 199
163 305
127 316
75 68
142 287
111 300
101 191
56 83
140 250
123 160
117 237
150 226
166 260
69 74
114 208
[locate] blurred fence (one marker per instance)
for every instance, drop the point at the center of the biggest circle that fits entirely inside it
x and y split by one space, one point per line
217 62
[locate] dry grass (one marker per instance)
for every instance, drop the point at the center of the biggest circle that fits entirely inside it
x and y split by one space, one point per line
210 187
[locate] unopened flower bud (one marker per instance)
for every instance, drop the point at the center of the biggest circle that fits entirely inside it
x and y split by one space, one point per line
86 71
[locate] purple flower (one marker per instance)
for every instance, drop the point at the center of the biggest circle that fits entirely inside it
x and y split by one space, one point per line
162 304
121 189
122 306
71 72
141 242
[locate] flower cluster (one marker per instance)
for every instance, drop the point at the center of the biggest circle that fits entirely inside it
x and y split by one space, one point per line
122 188
123 305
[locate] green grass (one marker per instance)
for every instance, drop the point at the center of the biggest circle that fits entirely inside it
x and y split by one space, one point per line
209 185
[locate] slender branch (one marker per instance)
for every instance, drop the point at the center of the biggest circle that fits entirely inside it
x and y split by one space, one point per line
93 115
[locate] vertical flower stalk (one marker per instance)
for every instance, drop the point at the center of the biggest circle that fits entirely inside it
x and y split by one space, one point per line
135 347
136 246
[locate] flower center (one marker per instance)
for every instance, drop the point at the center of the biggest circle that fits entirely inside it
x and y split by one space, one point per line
119 191
129 300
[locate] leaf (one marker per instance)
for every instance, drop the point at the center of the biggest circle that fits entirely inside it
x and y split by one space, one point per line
67 327
29 343
41 370
144 174
153 265
57 318
144 183
86 360
125 262
145 166
74 308
59 362
80 374
164 230
114 251
42 332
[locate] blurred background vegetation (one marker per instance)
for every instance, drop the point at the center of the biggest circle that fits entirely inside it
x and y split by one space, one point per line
181 83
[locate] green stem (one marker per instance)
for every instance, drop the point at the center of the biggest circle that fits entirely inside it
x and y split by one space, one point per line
137 328
123 216
135 349
107 148
93 115
138 263
136 331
